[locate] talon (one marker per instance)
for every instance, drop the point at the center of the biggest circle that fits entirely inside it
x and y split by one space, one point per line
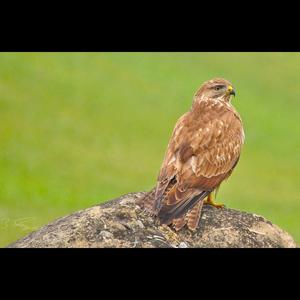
209 200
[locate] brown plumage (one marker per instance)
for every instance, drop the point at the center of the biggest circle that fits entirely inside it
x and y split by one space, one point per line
203 150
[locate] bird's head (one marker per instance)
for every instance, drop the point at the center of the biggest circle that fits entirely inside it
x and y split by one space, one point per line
218 88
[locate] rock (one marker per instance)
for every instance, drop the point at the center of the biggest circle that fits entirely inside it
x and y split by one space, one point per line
122 223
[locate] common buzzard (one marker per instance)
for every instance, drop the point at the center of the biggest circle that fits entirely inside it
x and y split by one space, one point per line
203 151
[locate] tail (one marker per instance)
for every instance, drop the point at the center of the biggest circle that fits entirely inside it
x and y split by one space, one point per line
191 218
176 211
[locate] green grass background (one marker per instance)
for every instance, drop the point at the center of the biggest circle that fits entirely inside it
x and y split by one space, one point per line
77 129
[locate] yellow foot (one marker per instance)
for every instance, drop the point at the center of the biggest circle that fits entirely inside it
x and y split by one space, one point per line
209 200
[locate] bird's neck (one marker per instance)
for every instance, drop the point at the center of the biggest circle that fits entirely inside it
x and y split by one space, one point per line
200 101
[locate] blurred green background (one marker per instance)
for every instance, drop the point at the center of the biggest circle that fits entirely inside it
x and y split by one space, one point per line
77 129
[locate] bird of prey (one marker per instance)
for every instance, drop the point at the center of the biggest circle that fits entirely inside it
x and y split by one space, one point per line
203 151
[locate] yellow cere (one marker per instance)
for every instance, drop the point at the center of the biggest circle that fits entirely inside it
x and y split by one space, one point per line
230 88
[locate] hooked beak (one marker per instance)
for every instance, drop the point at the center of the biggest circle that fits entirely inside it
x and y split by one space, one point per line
230 90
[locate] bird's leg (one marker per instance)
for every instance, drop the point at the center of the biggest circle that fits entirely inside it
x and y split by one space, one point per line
209 200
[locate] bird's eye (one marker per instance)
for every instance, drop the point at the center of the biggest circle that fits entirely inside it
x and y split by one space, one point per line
218 87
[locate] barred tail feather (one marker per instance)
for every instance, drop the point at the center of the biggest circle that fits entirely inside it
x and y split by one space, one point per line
170 212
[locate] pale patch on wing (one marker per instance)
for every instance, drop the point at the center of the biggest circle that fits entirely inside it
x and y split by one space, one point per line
193 162
243 136
178 130
172 160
